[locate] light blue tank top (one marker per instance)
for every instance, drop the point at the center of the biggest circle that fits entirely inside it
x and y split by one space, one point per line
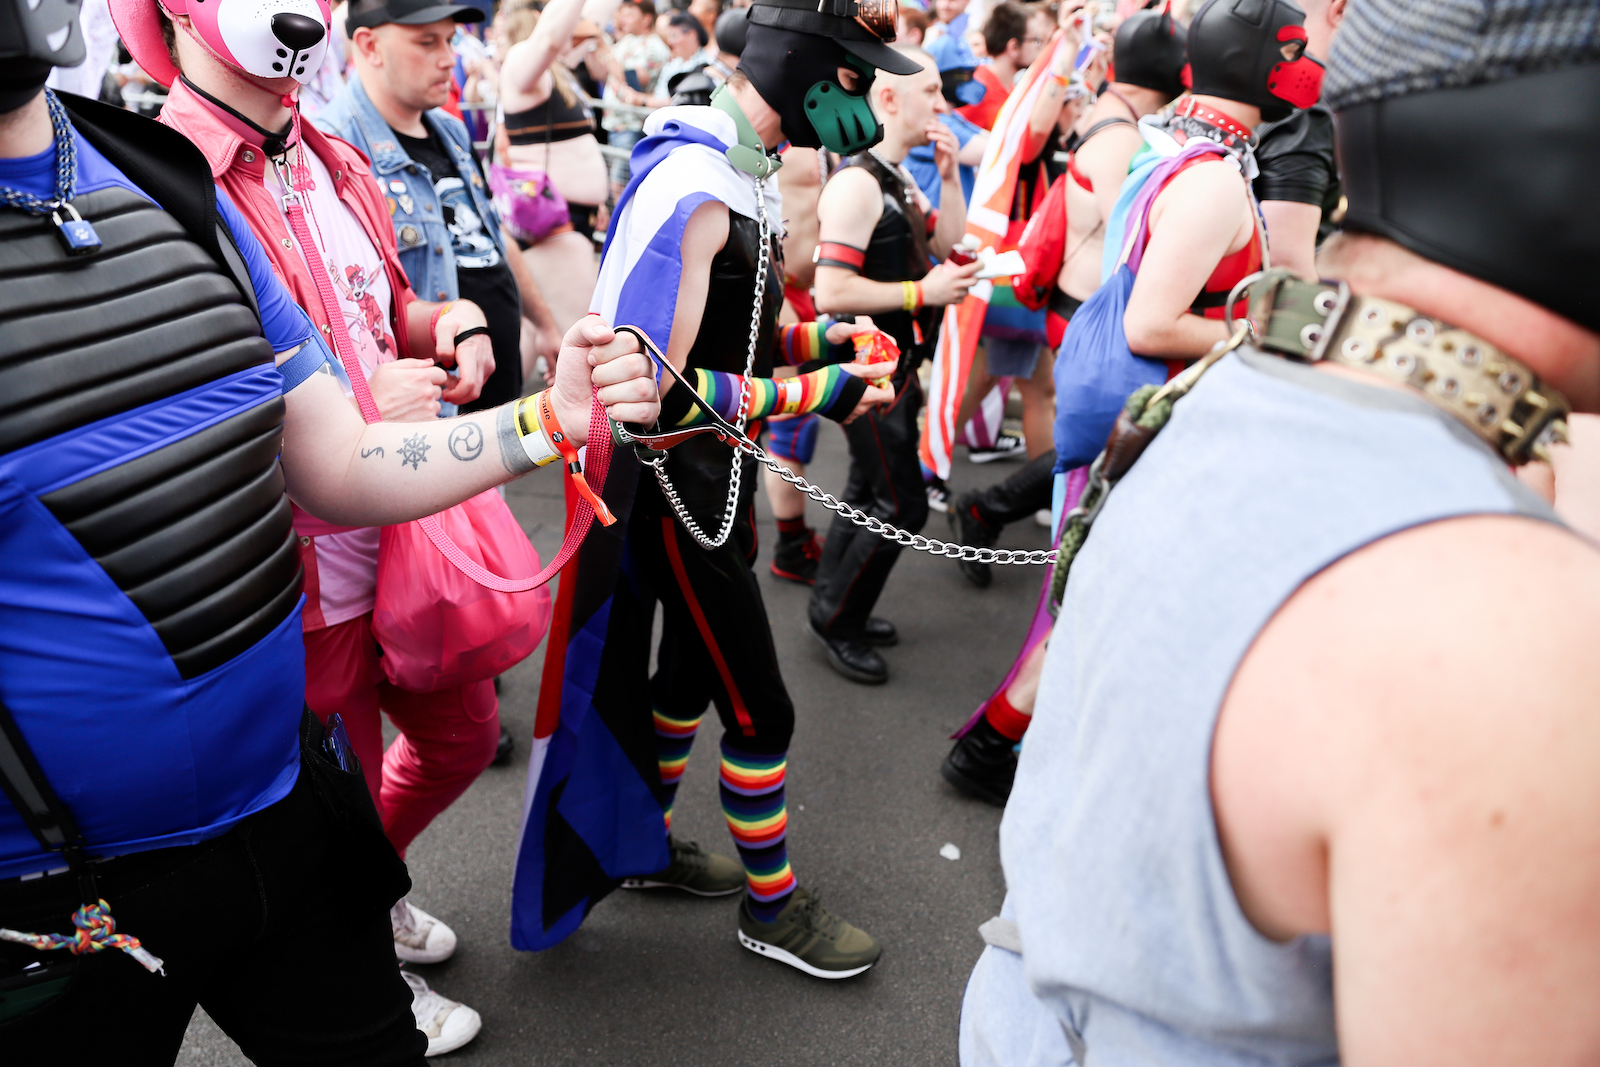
1130 932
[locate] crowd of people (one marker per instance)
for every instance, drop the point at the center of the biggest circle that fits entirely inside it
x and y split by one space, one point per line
1284 349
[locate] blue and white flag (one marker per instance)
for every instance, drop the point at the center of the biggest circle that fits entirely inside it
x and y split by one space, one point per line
593 812
679 165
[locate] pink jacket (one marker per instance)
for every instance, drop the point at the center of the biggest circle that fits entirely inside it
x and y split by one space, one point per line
239 167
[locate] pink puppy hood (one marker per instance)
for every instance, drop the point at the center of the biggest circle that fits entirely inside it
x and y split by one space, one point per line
269 39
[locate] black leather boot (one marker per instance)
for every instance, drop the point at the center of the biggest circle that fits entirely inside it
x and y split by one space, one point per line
503 748
969 528
795 558
880 633
854 659
982 764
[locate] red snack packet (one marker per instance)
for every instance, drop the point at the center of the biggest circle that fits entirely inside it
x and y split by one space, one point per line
876 346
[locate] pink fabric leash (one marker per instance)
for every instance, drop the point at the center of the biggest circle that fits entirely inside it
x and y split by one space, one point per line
599 447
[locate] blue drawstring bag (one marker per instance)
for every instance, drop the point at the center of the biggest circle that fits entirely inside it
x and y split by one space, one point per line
1095 372
1095 369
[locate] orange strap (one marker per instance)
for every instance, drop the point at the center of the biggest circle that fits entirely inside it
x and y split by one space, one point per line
552 428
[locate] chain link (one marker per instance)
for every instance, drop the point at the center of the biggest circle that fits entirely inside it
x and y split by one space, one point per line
887 531
741 443
66 165
735 476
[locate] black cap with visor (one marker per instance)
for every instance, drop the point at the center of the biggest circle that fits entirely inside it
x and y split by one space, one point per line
371 13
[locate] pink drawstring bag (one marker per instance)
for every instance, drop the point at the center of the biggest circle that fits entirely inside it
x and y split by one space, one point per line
445 615
437 627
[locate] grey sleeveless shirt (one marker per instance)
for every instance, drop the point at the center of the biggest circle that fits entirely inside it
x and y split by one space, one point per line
1133 946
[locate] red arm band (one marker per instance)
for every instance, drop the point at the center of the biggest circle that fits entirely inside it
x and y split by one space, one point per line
834 254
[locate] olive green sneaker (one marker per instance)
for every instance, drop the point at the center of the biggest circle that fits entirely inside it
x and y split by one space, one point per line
809 937
693 870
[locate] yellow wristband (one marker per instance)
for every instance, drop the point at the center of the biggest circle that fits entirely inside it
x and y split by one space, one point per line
908 296
531 432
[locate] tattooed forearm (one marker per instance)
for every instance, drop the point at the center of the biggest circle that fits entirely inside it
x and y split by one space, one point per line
466 442
414 450
375 450
512 454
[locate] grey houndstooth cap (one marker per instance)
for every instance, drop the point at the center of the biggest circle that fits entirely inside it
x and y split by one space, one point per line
1389 48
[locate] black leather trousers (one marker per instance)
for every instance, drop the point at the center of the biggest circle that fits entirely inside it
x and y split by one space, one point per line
885 481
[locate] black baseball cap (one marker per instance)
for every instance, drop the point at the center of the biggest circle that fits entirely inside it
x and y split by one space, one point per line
371 13
860 27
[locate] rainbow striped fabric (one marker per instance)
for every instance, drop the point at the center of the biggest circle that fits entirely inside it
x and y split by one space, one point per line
988 216
817 391
801 343
753 803
674 739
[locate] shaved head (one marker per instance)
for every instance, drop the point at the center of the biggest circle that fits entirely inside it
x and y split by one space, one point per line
884 81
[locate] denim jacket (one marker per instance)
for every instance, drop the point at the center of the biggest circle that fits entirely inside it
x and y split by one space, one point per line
426 250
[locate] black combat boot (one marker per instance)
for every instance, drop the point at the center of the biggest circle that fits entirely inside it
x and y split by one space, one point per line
982 764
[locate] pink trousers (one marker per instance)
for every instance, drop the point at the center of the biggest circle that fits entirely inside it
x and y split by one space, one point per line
446 739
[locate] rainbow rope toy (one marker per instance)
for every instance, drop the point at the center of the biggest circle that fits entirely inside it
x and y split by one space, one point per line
96 931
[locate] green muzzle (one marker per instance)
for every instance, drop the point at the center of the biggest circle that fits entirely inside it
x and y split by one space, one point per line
844 121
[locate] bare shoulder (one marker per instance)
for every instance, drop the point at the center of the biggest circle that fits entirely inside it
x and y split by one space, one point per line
1519 584
850 204
1448 615
1113 146
706 231
1447 668
850 184
1409 757
1215 183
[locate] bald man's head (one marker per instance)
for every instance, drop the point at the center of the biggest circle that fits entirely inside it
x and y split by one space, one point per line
907 103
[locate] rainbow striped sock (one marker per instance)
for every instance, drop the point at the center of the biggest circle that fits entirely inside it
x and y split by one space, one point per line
752 799
674 739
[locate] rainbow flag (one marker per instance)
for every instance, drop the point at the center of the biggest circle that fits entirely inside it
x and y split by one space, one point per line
988 216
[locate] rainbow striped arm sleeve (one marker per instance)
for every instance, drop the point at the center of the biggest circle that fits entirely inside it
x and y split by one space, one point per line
828 392
802 343
806 345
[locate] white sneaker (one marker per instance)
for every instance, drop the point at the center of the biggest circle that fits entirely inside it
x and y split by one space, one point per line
418 936
1043 518
449 1025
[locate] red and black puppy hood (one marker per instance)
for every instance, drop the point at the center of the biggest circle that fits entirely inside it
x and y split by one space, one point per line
1253 51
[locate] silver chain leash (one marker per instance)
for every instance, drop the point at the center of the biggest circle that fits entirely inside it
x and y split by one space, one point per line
887 531
659 465
741 443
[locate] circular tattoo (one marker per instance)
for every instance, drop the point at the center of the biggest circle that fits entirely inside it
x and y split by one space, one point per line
466 442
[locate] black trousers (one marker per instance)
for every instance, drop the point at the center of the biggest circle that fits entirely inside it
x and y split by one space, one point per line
279 928
716 645
1019 496
885 480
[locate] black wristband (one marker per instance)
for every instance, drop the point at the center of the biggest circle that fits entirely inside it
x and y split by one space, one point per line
471 332
849 397
677 402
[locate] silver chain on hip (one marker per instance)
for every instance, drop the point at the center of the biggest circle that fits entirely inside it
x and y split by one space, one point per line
731 509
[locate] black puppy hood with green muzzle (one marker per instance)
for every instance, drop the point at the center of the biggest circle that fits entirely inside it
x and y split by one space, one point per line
792 56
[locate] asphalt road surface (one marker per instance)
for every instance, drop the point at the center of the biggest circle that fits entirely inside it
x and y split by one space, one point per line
657 978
